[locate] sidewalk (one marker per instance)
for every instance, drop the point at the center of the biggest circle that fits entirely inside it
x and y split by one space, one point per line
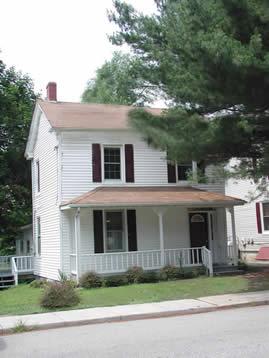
133 312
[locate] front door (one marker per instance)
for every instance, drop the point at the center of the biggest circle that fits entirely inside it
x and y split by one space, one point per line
199 229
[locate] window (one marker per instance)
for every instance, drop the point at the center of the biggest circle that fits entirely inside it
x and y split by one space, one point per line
114 231
112 163
183 171
265 209
38 236
37 176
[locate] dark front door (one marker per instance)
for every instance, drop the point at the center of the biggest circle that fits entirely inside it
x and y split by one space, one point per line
198 229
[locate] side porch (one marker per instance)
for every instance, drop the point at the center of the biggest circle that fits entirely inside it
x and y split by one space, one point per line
112 229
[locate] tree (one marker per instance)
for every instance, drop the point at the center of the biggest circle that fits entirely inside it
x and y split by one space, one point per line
118 82
17 99
211 59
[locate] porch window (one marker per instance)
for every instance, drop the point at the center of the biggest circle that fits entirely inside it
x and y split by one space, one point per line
114 231
28 246
183 171
38 236
112 163
265 209
22 247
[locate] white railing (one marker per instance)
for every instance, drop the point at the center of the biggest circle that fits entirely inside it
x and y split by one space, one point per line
5 263
24 263
149 259
15 270
207 260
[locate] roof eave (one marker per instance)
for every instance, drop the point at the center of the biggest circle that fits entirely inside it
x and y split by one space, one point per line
33 132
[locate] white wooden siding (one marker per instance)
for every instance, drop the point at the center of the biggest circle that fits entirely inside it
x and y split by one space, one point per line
45 203
150 166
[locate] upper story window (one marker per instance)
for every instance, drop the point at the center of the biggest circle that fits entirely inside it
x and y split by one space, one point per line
183 171
37 176
112 163
265 210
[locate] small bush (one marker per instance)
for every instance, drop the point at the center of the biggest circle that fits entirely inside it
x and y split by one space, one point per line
90 280
116 280
135 274
168 273
39 283
58 294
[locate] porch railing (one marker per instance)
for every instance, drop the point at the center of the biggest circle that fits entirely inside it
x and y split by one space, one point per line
17 265
5 263
149 259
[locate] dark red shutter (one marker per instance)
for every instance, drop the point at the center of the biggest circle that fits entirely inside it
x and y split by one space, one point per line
129 163
96 163
98 231
171 173
258 217
132 235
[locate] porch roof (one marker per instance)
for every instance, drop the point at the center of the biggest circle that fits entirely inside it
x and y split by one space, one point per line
151 196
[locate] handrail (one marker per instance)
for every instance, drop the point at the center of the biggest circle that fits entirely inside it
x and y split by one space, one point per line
14 270
207 260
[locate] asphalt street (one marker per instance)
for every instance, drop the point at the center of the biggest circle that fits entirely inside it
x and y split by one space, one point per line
230 333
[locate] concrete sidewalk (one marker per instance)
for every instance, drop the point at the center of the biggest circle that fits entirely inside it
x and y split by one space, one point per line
133 312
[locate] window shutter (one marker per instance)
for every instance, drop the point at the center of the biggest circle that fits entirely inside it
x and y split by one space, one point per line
258 218
129 163
98 231
171 173
96 163
132 235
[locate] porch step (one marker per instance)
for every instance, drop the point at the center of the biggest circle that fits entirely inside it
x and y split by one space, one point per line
6 280
222 270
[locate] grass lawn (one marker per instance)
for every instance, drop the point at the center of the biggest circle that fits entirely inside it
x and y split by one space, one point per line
24 300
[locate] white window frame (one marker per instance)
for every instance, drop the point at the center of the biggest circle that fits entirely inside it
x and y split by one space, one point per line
38 236
122 166
124 229
37 176
194 170
262 216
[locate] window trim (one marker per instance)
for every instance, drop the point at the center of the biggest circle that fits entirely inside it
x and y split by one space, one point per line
194 170
122 166
262 216
124 228
38 236
37 176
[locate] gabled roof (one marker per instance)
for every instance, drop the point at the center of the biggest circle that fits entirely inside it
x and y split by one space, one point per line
68 115
151 196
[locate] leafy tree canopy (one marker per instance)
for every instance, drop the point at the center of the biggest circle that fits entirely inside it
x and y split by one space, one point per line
211 59
118 81
17 99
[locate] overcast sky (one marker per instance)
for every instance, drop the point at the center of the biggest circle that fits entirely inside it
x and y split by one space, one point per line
58 40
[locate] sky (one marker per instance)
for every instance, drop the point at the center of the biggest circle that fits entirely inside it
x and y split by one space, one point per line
59 40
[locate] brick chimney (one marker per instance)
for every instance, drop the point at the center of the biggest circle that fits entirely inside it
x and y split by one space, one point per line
52 91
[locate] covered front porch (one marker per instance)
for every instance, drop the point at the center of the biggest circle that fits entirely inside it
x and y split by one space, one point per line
112 229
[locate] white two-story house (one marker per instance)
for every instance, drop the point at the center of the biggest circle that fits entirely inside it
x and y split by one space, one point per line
104 200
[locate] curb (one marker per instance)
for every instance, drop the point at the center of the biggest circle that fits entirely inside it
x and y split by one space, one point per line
135 317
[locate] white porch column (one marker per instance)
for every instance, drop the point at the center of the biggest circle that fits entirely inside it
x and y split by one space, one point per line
77 242
160 212
235 251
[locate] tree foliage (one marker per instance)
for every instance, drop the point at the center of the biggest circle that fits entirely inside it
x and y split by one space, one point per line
211 59
16 104
118 81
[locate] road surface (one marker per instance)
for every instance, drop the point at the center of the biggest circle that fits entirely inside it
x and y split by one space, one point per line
232 333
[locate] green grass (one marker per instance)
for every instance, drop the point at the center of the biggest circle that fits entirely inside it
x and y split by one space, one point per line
24 300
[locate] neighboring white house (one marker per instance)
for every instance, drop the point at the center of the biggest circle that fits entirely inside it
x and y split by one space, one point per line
103 200
24 241
252 219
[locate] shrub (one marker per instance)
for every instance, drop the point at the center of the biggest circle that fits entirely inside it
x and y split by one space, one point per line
170 273
59 294
135 274
116 280
39 283
90 280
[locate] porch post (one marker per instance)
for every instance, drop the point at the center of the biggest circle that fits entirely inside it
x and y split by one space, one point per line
235 252
77 241
160 212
